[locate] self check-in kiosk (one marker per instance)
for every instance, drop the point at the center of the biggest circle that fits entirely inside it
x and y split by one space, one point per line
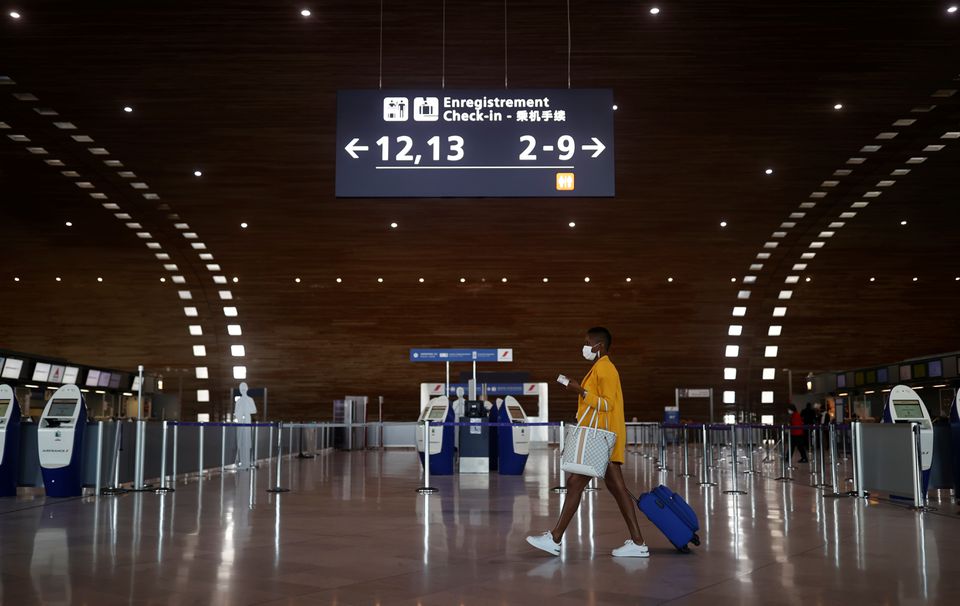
60 442
9 441
475 438
441 437
905 406
955 442
513 442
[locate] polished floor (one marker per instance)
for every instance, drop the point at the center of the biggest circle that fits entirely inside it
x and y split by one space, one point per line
352 530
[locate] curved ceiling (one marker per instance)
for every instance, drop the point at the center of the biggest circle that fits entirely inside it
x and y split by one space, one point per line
710 94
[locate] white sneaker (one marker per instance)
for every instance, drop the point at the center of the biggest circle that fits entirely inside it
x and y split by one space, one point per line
545 542
631 550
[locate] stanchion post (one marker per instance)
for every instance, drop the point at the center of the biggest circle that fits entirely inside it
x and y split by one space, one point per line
115 489
200 456
705 464
562 488
426 489
833 461
662 459
173 475
822 483
735 474
256 447
223 448
785 454
277 487
750 467
99 483
919 498
304 455
164 486
686 455
857 445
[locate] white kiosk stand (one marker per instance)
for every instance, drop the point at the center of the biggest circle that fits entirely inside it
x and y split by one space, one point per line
905 406
9 441
60 442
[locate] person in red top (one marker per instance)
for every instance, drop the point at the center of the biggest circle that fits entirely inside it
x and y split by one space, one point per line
798 437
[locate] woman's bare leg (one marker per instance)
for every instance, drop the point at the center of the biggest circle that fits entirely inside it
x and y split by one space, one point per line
576 483
628 509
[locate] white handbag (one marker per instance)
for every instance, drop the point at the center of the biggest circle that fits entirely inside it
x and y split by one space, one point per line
587 448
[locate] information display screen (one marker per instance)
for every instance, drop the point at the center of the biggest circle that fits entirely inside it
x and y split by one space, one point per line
62 408
136 383
516 413
908 409
12 368
475 143
56 374
41 371
436 414
3 409
92 377
115 379
104 379
70 375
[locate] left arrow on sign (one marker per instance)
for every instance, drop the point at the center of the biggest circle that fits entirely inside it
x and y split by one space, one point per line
598 147
352 148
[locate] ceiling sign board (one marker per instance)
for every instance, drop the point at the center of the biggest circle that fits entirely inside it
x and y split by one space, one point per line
475 143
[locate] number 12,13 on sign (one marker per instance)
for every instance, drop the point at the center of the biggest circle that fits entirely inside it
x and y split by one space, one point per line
401 149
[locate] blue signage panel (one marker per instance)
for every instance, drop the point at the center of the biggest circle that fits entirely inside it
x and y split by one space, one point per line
461 355
475 143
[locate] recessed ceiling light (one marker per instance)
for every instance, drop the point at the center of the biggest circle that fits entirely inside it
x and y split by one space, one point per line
305 12
99 279
127 109
769 171
838 106
503 280
807 279
69 223
14 15
17 279
654 11
380 280
957 279
58 278
723 224
243 225
572 224
904 222
297 280
873 279
615 107
339 280
393 225
669 279
546 280
733 279
914 278
163 279
952 9
420 280
629 279
587 279
235 279
197 173
462 280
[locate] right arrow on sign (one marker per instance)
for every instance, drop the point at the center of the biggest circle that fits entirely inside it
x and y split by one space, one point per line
352 148
598 147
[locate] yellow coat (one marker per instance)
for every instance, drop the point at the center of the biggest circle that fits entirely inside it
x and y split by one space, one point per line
602 385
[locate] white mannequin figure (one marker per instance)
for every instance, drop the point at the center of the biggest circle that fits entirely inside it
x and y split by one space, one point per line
243 409
458 404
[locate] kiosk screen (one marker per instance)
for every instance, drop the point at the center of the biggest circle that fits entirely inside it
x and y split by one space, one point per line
3 409
437 414
104 380
62 408
908 409
516 414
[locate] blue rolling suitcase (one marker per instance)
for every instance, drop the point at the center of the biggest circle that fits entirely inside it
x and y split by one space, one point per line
672 515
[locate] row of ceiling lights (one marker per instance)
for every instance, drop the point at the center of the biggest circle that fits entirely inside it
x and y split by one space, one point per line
654 10
670 280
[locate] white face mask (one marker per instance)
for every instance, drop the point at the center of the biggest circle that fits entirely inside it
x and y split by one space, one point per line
588 353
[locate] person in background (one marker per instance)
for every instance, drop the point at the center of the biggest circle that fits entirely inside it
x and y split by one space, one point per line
798 437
